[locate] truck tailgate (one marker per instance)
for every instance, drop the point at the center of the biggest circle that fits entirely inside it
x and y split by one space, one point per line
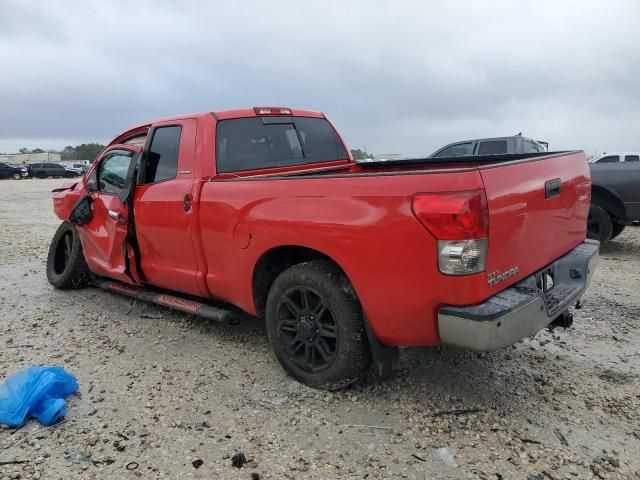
537 212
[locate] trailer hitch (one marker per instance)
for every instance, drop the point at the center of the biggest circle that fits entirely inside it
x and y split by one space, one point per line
564 320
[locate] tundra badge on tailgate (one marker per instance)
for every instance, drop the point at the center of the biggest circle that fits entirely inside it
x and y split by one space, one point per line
496 277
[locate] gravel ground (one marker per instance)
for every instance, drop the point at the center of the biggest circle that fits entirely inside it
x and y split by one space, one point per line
163 392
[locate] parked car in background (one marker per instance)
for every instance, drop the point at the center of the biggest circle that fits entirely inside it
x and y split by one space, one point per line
56 170
616 157
615 198
75 171
17 172
492 146
264 208
82 167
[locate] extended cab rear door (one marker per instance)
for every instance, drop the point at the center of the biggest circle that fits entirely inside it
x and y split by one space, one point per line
163 206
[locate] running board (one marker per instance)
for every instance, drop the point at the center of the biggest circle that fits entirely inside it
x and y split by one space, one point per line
170 301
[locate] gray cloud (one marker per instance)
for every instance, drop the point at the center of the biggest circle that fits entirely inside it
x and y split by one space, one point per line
394 76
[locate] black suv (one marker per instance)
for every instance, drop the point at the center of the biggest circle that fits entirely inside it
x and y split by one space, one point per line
12 171
44 170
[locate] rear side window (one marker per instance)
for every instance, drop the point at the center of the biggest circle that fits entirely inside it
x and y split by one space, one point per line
268 142
609 159
493 147
319 140
161 161
632 158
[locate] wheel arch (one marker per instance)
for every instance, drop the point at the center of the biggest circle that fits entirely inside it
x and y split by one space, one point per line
609 201
275 261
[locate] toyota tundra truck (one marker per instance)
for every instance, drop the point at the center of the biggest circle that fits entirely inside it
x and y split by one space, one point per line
262 211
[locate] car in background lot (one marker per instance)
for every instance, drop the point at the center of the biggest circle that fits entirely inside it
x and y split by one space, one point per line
56 170
17 172
492 146
77 171
617 157
615 198
82 167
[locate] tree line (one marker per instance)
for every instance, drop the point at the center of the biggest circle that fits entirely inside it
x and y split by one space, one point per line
359 154
85 151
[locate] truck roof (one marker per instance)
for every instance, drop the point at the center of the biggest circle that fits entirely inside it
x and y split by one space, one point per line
220 115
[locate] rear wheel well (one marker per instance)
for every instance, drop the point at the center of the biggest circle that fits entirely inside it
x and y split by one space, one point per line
273 263
609 202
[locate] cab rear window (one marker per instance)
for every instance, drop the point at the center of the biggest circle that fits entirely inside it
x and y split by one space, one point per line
268 142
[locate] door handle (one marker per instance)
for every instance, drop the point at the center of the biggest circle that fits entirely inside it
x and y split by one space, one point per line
186 205
113 215
552 188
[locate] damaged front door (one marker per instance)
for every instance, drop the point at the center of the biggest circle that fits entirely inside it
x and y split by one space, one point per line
104 237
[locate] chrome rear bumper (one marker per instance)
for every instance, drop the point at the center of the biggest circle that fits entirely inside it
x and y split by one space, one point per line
522 310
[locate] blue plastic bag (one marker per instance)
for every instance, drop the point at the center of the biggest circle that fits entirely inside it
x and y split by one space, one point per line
37 392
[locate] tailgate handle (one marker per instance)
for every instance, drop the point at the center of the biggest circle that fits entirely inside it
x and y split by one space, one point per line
552 188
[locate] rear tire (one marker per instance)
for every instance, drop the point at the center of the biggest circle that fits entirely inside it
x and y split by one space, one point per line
316 327
66 267
617 230
599 224
41 175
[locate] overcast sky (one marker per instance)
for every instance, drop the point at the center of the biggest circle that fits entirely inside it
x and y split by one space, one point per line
396 77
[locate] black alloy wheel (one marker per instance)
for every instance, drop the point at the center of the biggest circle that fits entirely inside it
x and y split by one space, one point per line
316 326
307 329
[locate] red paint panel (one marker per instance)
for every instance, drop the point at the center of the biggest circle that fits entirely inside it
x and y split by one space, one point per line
103 238
526 229
163 227
364 223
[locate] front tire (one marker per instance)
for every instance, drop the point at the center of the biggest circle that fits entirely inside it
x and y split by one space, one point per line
17 176
66 267
316 327
599 224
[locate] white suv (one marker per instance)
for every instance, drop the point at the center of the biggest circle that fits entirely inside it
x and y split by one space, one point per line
615 157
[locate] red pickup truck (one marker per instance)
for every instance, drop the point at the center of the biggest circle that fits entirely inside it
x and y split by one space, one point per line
263 211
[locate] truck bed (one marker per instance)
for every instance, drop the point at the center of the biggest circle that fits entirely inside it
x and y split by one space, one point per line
454 162
361 217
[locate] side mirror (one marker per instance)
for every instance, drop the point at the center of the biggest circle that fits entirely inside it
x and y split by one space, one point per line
92 182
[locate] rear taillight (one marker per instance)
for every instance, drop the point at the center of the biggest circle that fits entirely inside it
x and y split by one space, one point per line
453 215
460 223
